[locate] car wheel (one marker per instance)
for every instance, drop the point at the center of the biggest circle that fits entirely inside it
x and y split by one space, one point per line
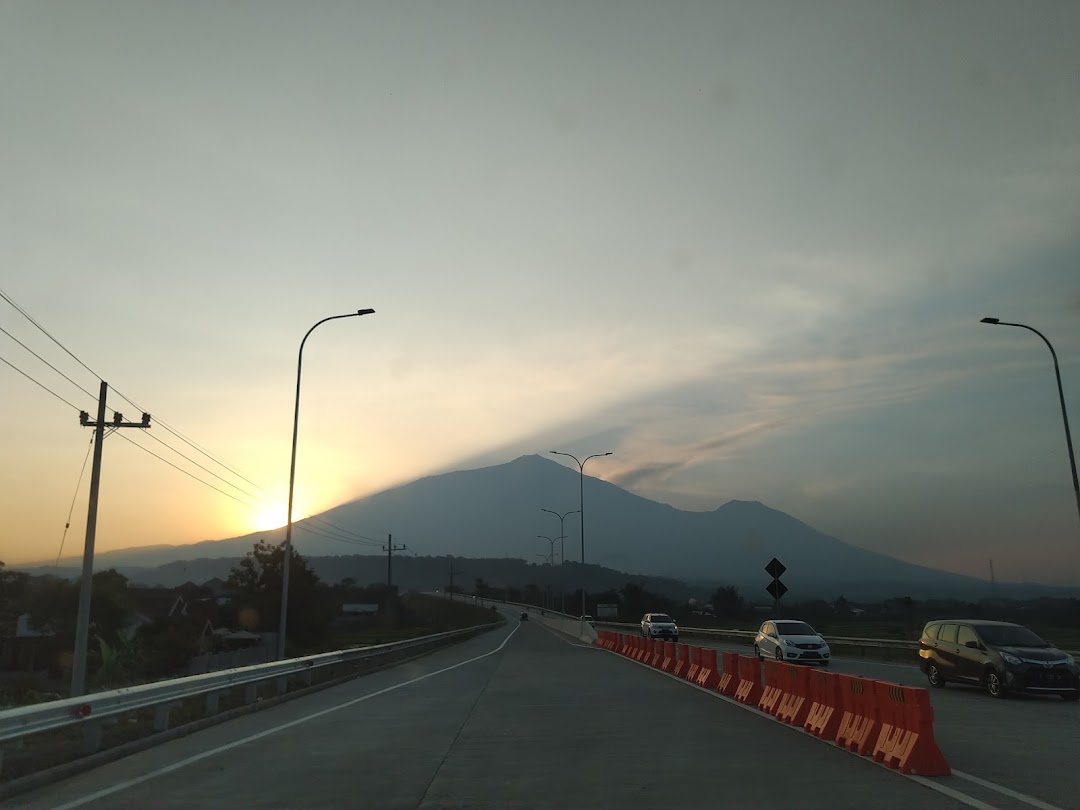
992 683
779 654
933 674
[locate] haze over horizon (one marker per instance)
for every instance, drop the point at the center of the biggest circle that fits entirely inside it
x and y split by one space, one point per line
745 248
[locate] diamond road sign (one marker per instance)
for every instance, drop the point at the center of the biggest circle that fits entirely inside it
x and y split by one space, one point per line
776 589
775 568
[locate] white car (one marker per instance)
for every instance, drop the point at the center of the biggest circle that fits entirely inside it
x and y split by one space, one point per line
796 642
659 625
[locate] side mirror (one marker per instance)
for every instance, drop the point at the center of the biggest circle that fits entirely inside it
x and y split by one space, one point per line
973 645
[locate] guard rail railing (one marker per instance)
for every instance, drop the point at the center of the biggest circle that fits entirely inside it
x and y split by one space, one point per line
89 711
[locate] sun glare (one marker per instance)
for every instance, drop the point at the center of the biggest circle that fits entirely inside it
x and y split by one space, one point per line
271 517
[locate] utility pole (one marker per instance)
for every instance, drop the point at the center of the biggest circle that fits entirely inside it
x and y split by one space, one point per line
390 548
452 572
82 622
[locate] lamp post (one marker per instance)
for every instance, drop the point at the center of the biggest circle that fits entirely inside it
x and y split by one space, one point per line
562 551
1061 399
282 622
581 509
551 542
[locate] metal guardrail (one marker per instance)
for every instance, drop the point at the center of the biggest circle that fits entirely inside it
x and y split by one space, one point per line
709 632
90 710
749 635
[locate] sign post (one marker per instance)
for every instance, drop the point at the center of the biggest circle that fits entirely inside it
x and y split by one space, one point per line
776 588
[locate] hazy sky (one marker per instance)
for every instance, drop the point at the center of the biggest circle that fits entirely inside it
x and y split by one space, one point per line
745 246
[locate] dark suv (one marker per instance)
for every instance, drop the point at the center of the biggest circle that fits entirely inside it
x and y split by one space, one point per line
999 656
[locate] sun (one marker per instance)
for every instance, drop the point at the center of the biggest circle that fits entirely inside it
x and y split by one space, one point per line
271 517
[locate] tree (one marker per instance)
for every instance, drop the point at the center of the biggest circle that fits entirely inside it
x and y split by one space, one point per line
842 607
12 585
728 602
53 605
256 581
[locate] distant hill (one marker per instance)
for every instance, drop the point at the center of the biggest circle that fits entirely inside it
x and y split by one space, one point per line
494 512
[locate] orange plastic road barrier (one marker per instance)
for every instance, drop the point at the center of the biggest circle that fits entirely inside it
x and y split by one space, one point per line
624 644
859 724
823 720
729 679
708 676
682 660
669 656
906 738
656 654
642 649
772 693
795 704
749 690
695 664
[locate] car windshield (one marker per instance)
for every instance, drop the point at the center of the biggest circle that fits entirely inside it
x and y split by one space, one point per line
795 629
1010 635
660 618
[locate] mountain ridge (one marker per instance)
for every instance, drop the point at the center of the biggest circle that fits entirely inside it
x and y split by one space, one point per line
496 512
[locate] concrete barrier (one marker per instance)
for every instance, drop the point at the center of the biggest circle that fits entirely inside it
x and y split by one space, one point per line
567 625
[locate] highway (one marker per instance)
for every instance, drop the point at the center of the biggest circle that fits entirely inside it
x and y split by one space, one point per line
520 717
1025 744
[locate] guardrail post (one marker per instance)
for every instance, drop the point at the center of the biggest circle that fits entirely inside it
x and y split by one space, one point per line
251 693
161 716
282 685
213 701
308 677
91 736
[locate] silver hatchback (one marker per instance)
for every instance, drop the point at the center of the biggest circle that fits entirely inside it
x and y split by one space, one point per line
792 641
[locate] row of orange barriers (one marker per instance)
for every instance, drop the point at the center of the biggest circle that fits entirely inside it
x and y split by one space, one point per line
893 724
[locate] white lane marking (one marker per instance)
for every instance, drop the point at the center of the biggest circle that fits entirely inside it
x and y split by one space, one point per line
971 801
963 798
120 786
1020 797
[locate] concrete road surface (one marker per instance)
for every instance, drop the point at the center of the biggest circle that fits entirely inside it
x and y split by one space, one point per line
1024 744
517 718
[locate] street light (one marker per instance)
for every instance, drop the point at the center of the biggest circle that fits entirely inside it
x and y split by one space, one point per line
292 478
562 551
1061 399
551 541
581 510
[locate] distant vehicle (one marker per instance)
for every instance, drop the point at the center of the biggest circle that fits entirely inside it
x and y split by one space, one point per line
793 641
1001 657
524 616
659 625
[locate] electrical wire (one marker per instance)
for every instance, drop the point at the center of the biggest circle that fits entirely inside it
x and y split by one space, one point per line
159 422
46 362
45 332
71 510
40 384
299 527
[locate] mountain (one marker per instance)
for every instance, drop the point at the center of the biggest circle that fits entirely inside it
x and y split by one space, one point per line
495 512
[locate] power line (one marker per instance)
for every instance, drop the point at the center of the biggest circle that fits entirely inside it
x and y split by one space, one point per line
160 423
44 331
40 384
266 496
67 524
309 529
46 362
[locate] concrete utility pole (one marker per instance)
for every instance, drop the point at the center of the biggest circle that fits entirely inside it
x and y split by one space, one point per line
82 622
452 572
390 548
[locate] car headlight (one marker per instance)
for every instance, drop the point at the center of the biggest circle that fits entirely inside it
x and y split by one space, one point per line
1070 660
1010 659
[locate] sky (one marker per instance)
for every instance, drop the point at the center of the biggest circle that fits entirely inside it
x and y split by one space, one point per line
744 246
